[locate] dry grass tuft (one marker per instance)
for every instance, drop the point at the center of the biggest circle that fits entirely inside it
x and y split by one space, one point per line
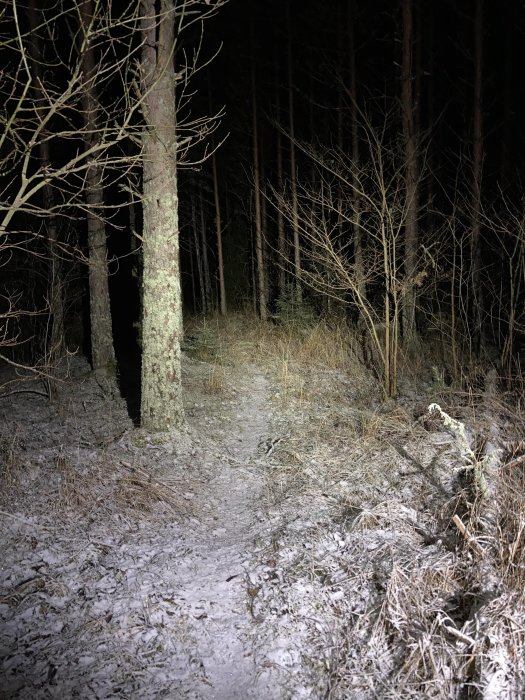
109 487
215 381
239 338
144 492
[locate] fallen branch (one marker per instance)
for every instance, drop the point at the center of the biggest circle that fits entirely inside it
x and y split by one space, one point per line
469 539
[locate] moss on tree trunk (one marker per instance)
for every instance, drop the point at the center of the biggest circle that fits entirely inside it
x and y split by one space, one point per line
161 404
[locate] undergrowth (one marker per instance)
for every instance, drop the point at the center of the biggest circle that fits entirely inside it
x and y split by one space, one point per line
437 563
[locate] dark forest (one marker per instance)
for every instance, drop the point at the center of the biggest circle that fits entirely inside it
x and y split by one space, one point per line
262 330
359 161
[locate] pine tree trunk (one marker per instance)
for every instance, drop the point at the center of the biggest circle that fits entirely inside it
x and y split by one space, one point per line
293 174
411 173
198 255
281 236
205 261
218 233
261 275
102 351
161 403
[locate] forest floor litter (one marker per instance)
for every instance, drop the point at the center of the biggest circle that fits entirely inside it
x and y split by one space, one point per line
302 538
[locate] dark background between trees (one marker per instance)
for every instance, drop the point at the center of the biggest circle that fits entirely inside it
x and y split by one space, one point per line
383 185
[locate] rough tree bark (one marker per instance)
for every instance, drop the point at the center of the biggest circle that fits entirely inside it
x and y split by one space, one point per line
161 402
102 351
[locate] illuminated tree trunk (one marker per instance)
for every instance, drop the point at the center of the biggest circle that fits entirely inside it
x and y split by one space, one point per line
161 404
102 351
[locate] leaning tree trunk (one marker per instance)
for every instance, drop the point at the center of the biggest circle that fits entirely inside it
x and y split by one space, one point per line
102 351
161 403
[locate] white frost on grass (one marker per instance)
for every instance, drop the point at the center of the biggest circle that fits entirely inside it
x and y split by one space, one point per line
198 566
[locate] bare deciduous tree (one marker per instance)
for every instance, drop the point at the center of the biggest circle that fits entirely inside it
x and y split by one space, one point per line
47 142
372 195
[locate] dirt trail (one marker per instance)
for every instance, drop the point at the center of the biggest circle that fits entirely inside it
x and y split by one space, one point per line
104 601
214 577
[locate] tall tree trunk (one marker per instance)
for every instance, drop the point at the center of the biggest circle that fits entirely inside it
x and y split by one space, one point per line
508 94
218 225
218 233
161 403
198 255
411 172
261 273
55 339
293 173
205 261
102 351
432 162
281 236
475 236
354 120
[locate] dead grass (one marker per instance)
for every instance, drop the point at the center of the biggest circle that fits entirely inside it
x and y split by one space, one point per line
10 459
444 609
215 381
239 338
109 487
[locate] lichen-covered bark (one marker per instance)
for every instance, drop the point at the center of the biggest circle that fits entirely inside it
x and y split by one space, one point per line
161 407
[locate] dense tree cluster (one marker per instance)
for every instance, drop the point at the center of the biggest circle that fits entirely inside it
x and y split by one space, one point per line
367 165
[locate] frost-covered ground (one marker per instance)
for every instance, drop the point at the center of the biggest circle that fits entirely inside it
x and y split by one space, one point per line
297 541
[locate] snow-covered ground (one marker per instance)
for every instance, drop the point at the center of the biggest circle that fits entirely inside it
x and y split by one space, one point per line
294 542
